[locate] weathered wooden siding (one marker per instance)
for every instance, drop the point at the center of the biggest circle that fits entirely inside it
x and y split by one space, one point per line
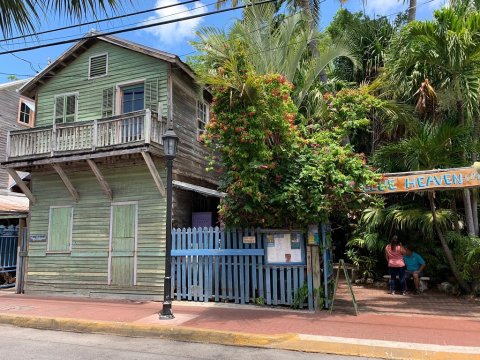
84 272
8 121
123 66
182 208
192 154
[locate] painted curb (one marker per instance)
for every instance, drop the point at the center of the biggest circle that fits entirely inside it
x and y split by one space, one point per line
294 342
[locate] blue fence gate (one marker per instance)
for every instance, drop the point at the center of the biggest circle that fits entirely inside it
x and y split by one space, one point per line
213 264
8 254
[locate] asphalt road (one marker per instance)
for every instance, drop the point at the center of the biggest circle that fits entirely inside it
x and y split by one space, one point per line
26 344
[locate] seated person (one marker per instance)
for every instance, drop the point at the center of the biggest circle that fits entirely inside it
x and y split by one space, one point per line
414 264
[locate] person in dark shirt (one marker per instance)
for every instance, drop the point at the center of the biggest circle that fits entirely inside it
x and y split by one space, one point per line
414 265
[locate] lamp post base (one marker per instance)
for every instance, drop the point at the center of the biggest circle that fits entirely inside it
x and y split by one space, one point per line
166 313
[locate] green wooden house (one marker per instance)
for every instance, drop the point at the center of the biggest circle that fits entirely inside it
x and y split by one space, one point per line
97 198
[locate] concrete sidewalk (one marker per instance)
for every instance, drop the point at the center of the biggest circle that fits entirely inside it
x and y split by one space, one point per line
369 334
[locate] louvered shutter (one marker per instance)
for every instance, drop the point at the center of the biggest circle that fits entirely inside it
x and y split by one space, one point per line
107 102
151 94
70 108
98 66
59 102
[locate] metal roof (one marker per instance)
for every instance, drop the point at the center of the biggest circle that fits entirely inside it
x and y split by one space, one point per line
198 189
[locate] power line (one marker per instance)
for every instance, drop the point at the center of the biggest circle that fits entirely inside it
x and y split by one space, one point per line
285 17
192 52
135 28
408 8
98 21
116 27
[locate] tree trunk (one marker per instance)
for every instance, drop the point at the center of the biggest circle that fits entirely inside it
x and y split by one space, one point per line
448 253
475 211
453 206
412 10
476 135
468 212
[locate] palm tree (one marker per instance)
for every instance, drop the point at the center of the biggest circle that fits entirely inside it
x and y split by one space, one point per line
446 51
412 10
432 147
25 15
268 46
367 38
311 8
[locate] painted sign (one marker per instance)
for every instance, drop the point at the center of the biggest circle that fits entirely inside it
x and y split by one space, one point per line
427 180
249 240
38 238
284 248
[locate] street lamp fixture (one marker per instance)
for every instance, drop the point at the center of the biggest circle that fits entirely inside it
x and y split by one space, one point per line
170 142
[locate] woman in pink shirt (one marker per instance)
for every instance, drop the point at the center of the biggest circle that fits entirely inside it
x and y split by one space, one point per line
396 266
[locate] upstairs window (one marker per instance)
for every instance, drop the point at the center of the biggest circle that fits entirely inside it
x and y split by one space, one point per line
98 66
66 108
26 111
133 98
202 117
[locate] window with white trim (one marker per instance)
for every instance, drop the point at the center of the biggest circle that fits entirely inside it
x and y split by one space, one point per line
203 117
66 107
26 111
98 66
60 226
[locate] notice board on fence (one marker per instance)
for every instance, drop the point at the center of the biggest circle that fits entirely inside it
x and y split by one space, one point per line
285 249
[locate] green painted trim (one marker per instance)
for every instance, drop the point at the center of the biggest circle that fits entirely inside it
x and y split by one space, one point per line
33 253
90 254
151 253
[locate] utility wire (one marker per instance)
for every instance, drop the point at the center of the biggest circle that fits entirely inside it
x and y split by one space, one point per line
97 21
114 27
192 52
400 12
134 28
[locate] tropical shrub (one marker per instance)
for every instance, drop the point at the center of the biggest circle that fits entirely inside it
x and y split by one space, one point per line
277 169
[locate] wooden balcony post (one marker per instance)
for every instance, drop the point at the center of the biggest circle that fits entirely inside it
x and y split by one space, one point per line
147 127
7 151
53 140
94 134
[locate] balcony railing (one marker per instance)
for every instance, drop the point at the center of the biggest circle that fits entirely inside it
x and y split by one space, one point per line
118 131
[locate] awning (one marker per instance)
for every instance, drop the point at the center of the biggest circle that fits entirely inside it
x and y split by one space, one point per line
13 205
198 189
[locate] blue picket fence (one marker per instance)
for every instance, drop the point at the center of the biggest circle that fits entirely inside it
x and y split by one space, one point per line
213 264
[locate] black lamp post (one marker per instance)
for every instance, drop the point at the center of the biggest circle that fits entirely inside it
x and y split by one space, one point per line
170 141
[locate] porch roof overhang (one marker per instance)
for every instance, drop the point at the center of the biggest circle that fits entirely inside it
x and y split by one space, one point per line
13 205
198 189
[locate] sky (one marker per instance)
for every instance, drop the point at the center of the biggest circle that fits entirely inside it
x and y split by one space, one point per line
173 38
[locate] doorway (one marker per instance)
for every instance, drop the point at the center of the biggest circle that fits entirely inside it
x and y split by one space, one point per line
123 244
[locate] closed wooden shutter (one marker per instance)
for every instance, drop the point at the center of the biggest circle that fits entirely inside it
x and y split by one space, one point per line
151 94
107 102
98 66
60 230
59 105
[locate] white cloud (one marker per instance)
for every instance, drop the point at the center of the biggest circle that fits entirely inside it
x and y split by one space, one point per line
383 7
178 31
437 4
388 7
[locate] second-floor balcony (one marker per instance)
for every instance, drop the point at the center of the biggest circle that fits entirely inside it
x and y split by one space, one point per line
126 130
